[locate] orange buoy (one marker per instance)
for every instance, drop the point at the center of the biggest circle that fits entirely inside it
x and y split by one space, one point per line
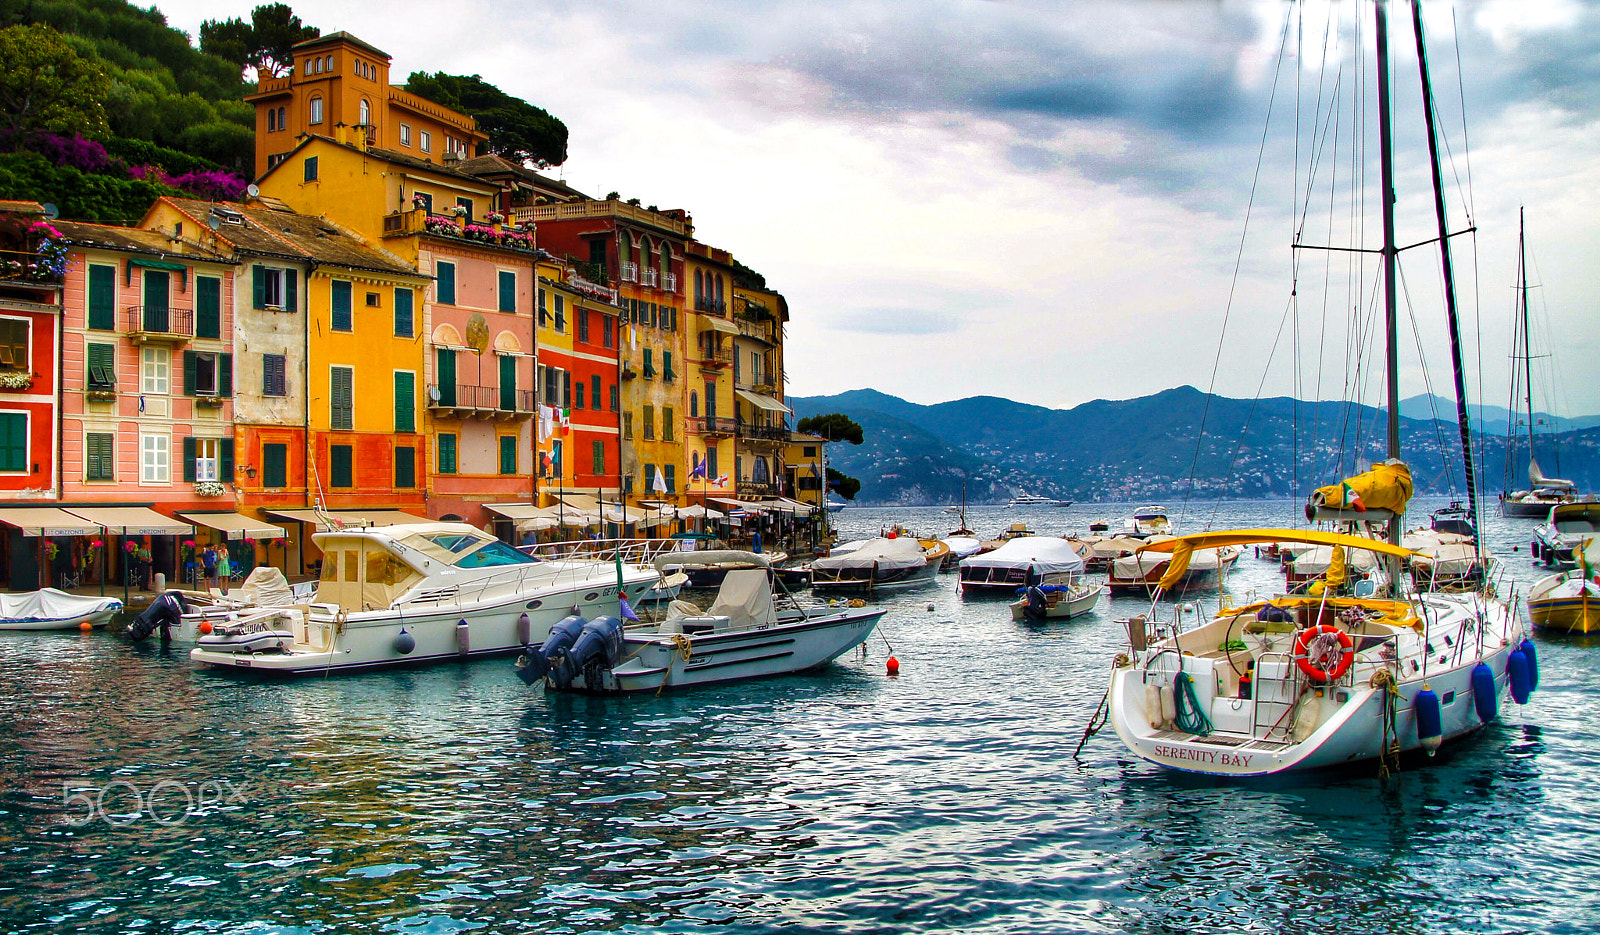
893 665
205 626
86 626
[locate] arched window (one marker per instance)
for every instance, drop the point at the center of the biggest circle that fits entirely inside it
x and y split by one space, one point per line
315 111
366 113
666 263
758 473
328 66
272 120
699 288
283 123
719 300
694 405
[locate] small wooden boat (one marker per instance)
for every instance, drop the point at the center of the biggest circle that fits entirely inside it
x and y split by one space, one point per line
1059 596
1567 602
50 609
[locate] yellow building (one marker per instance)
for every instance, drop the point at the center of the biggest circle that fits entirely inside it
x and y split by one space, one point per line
762 429
709 339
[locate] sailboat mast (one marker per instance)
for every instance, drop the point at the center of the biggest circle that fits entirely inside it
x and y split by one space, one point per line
1456 369
1527 349
1386 196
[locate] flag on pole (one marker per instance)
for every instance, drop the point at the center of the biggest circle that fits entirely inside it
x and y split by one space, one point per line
659 485
698 469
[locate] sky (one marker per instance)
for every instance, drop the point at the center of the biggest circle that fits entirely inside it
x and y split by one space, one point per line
1058 202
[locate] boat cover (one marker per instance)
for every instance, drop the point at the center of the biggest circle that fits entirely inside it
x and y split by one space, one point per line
745 598
1319 560
266 587
1044 554
899 552
50 604
1386 487
963 546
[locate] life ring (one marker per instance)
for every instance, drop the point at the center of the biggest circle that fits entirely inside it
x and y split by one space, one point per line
1302 643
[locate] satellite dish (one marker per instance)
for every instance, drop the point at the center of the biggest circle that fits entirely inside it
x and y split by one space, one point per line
213 222
433 394
51 211
252 189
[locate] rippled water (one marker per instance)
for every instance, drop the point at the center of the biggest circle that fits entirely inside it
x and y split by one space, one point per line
947 799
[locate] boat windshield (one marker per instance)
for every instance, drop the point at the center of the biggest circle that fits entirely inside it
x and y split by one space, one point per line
494 553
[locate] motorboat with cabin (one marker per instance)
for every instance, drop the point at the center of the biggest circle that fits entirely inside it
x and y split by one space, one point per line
1565 528
1148 521
1017 564
418 593
745 633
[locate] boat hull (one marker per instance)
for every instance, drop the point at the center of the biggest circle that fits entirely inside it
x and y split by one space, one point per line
1066 608
874 580
1579 614
98 618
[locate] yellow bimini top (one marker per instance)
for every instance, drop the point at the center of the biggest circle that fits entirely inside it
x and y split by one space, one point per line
1182 547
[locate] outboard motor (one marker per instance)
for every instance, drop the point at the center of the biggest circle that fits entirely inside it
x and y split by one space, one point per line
551 657
597 649
1038 604
165 612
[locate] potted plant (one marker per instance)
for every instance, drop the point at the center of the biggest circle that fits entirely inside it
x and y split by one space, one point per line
16 380
209 488
209 402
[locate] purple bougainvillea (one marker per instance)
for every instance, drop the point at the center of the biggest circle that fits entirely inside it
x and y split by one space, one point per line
75 151
211 185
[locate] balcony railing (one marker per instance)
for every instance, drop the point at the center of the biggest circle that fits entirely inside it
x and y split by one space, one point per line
717 357
574 210
466 400
708 305
158 323
651 277
763 432
31 268
751 490
714 426
669 282
405 223
630 272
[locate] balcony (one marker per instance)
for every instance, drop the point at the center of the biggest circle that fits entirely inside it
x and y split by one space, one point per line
466 401
751 490
716 359
710 306
630 272
674 222
33 269
712 426
651 277
767 433
153 324
406 223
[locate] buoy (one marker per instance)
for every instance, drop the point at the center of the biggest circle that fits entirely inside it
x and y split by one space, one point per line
524 629
1430 728
1484 696
1521 677
930 608
86 626
205 627
404 643
893 666
1533 663
463 639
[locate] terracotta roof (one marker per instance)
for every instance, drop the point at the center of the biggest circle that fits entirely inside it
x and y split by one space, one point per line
22 207
134 240
276 231
491 164
336 37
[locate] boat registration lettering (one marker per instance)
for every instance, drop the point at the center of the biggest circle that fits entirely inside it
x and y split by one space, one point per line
1217 757
241 662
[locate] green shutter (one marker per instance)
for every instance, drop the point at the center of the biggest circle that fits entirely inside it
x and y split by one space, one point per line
207 307
188 372
341 306
666 365
13 441
340 398
291 291
446 376
224 374
447 284
102 369
508 454
157 286
225 459
447 453
405 401
340 466
403 299
649 365
599 456
508 291
102 298
405 466
188 458
275 465
259 287
508 383
101 460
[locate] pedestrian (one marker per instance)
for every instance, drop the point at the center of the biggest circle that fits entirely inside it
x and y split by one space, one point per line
224 567
208 564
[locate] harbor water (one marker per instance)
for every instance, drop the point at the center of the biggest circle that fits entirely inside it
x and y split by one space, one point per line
140 794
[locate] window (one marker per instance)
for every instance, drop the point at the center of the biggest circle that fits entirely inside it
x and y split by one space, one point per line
552 386
14 345
614 395
200 459
649 364
207 374
102 297
666 423
404 312
672 477
14 442
508 383
274 465
577 395
467 204
274 375
608 326
508 454
445 374
597 252
648 422
275 289
405 401
405 134
561 314
100 456
425 141
365 109
405 466
373 301
555 459
599 457
594 392
711 400
316 110
155 459
311 168
582 315
445 293
341 313
283 121
101 367
694 405
155 371
508 292
627 425
207 307
447 452
808 451
711 464
424 201
666 367
341 466
272 120
341 399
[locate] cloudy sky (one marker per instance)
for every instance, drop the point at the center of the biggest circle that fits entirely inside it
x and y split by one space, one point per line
1055 202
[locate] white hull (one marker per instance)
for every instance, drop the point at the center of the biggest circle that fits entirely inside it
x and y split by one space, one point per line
95 619
1066 608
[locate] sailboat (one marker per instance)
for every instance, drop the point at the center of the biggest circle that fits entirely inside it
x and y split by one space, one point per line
1543 492
1348 671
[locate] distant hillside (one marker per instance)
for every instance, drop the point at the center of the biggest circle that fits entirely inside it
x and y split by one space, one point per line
1145 447
1490 420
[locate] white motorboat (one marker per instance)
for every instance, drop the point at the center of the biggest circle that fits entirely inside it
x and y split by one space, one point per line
1566 528
960 547
417 593
50 609
1148 521
1028 499
1058 596
1017 563
744 634
1301 682
887 563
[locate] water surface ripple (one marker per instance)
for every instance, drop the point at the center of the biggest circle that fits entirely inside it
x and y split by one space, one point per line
452 799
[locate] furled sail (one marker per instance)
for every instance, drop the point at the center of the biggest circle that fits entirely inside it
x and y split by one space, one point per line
1386 486
1537 479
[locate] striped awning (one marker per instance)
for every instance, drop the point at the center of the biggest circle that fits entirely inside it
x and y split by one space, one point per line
132 521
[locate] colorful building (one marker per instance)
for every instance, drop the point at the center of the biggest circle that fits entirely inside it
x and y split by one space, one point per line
761 416
711 426
579 417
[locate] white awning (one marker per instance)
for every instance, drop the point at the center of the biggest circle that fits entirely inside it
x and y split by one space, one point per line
518 511
719 324
786 505
132 521
578 501
349 517
47 521
745 505
236 525
761 402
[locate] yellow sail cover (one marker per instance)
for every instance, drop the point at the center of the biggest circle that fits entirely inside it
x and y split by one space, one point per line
1183 547
1386 487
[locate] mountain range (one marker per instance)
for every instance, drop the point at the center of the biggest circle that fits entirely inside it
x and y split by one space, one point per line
988 449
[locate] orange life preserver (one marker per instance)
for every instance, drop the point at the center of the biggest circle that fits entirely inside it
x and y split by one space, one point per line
1302 643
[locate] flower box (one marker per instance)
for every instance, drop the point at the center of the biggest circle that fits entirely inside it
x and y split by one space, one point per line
209 402
16 381
100 396
209 488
